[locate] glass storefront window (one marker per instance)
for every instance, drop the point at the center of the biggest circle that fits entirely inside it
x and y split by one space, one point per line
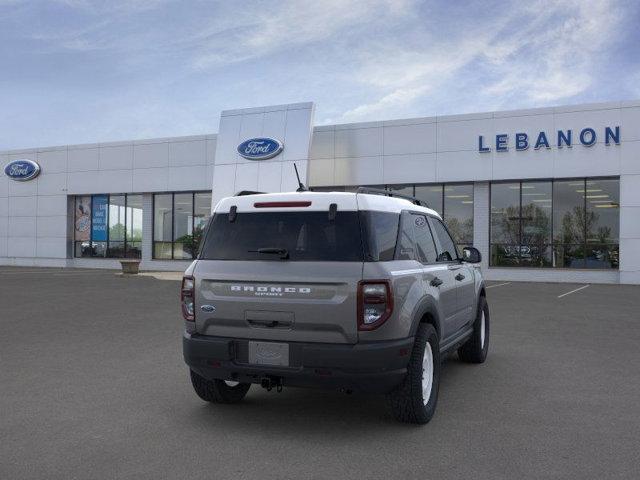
564 224
162 225
535 229
458 213
179 221
108 226
134 226
201 213
183 226
117 220
505 224
431 195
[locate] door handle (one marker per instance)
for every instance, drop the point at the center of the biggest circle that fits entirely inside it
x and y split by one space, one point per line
454 266
459 277
436 282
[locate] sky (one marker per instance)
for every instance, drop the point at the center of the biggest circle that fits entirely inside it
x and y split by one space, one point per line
80 71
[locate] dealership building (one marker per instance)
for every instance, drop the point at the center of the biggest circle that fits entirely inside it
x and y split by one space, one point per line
548 194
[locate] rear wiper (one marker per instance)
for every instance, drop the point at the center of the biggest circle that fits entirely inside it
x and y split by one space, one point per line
283 252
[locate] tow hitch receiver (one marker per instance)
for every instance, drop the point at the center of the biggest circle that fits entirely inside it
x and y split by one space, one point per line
269 383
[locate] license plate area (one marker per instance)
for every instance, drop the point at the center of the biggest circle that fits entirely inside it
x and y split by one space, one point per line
269 353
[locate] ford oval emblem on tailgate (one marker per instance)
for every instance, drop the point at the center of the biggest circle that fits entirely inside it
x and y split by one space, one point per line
207 308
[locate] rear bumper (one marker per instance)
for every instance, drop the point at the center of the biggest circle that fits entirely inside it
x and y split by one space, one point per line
375 367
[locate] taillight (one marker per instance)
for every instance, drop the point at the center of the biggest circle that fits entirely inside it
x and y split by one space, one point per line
187 298
375 303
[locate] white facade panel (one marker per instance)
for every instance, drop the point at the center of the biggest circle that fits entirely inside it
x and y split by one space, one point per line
23 189
115 181
150 180
84 182
630 191
188 153
188 178
21 246
359 171
55 247
581 161
52 226
358 142
322 172
463 166
83 159
322 145
246 177
409 139
53 161
630 157
22 206
52 183
151 155
269 176
528 163
117 157
297 135
463 135
630 121
51 205
22 227
406 168
228 140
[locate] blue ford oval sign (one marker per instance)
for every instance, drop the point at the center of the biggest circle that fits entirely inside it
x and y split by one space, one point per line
260 148
22 170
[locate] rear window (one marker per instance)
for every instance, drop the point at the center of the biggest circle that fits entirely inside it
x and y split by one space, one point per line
368 236
306 236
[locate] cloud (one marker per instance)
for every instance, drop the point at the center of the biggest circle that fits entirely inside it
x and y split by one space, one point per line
264 31
541 53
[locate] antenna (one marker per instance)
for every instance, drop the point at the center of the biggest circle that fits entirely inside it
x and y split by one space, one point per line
301 187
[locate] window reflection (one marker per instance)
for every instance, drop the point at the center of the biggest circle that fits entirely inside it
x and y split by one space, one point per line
565 224
179 222
108 226
458 213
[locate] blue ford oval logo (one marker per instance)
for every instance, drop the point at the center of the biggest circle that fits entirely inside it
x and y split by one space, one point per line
22 170
260 148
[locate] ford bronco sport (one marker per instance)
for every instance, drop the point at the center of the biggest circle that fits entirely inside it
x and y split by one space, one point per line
357 291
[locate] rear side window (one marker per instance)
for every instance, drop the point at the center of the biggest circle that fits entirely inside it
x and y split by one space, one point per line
306 236
380 230
424 241
447 251
406 240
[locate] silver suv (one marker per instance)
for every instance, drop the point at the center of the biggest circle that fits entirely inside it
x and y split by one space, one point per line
357 291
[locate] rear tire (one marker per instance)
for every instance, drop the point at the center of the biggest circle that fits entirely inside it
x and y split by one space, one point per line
415 399
476 348
218 391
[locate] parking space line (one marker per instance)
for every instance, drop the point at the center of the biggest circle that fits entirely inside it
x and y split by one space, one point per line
573 291
498 285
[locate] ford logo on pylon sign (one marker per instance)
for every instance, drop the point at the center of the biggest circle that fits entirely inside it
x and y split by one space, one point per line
22 170
260 148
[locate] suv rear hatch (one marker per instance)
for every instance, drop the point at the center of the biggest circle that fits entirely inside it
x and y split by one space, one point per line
281 270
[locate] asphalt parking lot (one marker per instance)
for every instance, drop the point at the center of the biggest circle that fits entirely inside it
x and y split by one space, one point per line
93 386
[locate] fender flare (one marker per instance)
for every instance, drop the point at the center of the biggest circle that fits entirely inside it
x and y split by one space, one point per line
426 306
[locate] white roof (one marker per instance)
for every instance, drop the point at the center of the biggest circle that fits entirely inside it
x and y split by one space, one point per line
320 201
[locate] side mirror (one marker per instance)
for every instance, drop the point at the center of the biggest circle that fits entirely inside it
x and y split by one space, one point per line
471 255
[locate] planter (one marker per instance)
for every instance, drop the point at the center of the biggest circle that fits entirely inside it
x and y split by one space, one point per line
130 266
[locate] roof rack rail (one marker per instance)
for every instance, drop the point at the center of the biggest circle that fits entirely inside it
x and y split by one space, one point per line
390 193
247 192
